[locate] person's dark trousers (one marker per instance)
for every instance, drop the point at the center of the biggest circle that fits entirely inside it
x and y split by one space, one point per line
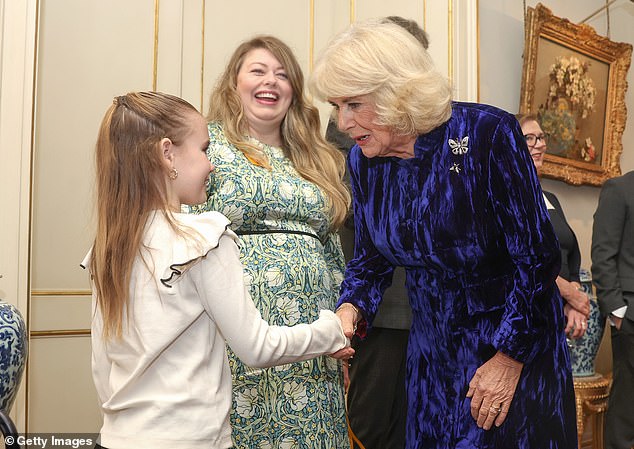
377 402
619 422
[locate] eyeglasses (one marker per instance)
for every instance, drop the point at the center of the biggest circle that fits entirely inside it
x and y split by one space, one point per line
532 139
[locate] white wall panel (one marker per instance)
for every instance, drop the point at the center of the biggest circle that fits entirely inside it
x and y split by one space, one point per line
63 397
330 18
437 23
89 51
193 52
60 312
369 9
171 42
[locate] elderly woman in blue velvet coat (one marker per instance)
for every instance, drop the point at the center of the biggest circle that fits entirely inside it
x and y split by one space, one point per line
448 191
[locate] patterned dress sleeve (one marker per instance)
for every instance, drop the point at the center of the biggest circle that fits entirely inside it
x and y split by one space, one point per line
533 306
334 259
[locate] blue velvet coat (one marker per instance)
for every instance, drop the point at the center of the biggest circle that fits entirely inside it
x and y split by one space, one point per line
466 218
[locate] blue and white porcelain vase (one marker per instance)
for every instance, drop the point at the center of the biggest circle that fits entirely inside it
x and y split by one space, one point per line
13 353
583 351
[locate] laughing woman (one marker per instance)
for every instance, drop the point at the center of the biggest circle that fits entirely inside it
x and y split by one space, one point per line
447 191
280 184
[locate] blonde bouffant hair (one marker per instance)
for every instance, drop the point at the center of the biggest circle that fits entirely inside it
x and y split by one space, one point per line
315 159
385 62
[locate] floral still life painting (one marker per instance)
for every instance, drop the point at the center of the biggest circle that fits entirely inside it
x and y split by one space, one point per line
574 80
570 102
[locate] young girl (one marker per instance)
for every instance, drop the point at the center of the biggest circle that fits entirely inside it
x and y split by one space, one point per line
168 288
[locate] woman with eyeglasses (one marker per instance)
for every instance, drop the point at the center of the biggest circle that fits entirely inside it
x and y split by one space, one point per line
577 306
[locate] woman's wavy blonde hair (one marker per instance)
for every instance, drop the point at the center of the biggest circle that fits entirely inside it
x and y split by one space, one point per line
131 183
385 62
313 157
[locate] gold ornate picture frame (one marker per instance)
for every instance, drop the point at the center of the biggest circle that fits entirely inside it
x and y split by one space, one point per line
574 80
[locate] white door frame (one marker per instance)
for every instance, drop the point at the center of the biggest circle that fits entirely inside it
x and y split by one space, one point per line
18 30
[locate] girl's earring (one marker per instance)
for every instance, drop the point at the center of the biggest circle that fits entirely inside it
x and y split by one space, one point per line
173 174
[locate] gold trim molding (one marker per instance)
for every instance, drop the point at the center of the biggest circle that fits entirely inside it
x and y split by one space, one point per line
61 293
156 42
425 15
311 45
478 47
60 333
450 39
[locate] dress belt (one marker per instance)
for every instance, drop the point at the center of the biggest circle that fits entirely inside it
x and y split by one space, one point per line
278 231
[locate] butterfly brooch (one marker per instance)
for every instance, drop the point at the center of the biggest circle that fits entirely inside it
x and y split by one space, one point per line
459 146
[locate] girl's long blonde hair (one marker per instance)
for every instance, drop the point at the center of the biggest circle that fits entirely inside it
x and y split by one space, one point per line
131 183
313 157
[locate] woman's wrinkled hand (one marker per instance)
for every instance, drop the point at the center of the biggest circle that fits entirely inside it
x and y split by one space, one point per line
347 352
492 389
576 322
349 315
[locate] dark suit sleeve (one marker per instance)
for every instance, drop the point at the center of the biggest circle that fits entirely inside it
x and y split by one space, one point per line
607 233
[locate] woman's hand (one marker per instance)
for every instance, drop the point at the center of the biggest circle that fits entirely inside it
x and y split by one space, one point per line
349 315
492 389
571 292
576 322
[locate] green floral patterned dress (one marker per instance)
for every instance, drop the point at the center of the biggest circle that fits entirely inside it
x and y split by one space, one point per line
292 275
